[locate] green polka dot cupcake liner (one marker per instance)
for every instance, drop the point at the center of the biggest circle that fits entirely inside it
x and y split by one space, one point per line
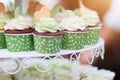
19 42
2 41
93 36
47 44
74 41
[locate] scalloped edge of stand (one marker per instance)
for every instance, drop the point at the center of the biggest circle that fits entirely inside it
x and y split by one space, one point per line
4 53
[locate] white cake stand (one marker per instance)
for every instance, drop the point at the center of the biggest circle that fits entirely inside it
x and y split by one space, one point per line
13 62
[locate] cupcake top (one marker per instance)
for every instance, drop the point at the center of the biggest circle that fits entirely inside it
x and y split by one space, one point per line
44 23
3 20
95 78
87 70
20 23
91 17
62 15
73 24
47 25
107 74
62 70
59 13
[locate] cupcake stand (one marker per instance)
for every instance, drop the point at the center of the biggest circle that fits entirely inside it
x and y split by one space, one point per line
13 62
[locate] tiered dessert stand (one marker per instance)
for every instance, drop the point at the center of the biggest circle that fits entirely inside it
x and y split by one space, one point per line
13 62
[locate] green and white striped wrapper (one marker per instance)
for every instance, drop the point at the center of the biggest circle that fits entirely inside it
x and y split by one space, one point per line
47 44
19 42
74 40
93 36
2 41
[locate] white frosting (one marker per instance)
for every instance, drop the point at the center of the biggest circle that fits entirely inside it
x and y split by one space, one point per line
106 74
73 23
63 15
87 70
60 16
62 69
21 23
90 16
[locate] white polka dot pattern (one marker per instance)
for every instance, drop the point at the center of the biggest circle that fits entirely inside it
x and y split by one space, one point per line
19 43
92 36
73 41
2 41
47 45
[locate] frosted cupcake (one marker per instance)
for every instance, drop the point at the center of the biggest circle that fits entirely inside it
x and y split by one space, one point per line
75 33
18 34
5 15
3 20
87 70
107 74
92 19
67 70
48 34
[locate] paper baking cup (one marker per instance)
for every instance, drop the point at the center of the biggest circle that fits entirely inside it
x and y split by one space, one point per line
2 41
19 42
47 44
93 36
74 40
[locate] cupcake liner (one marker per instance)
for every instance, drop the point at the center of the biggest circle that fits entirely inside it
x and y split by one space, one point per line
74 41
2 41
19 42
47 45
93 36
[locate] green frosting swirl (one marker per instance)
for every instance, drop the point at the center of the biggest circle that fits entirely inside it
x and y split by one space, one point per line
63 15
70 13
47 25
60 70
58 9
3 20
90 16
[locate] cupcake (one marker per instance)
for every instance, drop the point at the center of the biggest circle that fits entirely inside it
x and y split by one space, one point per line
67 70
4 17
75 33
92 19
47 34
107 74
18 34
87 70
